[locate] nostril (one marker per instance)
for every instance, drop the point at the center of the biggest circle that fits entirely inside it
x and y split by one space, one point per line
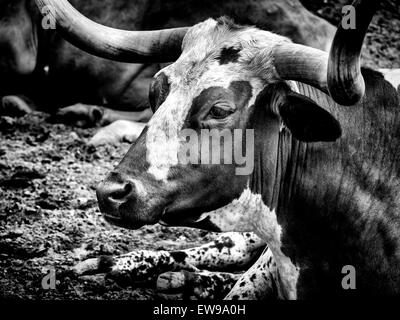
121 193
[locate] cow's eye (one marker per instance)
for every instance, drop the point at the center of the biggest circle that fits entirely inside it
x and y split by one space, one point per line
220 111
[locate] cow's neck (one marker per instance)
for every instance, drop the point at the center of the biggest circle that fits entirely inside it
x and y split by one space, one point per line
277 178
270 161
297 183
321 223
337 206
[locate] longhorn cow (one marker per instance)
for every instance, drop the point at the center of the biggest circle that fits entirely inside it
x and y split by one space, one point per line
324 192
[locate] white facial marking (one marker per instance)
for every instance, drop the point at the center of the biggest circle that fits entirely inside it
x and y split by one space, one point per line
140 189
249 213
392 76
162 142
196 70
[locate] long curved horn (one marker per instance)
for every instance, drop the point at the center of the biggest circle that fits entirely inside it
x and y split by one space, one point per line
340 73
303 64
110 43
345 81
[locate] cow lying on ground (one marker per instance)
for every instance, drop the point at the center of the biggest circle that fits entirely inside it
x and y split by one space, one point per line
259 282
324 190
40 70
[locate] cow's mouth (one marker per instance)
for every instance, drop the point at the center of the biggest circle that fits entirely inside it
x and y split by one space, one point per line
122 223
186 218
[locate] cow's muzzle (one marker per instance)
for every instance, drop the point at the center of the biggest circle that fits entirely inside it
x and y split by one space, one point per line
117 199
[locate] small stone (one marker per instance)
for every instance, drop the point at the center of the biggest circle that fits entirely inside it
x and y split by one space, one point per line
74 136
98 279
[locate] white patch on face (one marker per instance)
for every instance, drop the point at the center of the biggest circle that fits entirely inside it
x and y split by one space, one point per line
392 76
140 189
249 213
163 141
197 70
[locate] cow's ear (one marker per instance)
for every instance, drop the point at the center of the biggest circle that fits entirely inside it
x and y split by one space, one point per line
307 121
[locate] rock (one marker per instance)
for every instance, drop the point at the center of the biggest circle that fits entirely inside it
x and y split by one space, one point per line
15 183
73 136
47 204
21 179
56 158
98 279
28 175
106 249
29 211
83 203
12 234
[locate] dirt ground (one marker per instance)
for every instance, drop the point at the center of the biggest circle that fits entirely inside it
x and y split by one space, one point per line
49 215
48 211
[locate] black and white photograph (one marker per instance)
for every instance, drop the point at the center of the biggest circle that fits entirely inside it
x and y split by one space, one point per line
209 152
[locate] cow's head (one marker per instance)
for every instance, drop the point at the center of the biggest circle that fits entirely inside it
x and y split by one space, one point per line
227 78
223 81
18 37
